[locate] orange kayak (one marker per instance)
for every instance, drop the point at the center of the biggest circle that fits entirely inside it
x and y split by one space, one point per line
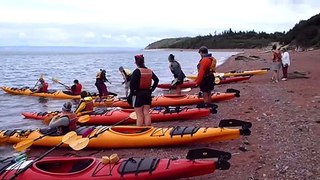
135 136
170 100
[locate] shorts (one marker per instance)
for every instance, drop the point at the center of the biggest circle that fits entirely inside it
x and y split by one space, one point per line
141 98
207 83
275 66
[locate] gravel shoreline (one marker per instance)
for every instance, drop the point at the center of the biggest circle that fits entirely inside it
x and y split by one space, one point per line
284 143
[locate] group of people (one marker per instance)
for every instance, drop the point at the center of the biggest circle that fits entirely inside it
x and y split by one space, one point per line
75 89
139 86
280 59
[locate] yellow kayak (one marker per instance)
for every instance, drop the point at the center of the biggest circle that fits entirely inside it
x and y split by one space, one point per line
235 73
135 136
58 94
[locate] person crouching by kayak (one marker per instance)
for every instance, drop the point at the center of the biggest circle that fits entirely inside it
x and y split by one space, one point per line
141 89
177 72
205 78
101 86
42 87
76 88
126 74
65 121
85 106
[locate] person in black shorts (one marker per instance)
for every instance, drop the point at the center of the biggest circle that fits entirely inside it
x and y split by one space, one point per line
141 88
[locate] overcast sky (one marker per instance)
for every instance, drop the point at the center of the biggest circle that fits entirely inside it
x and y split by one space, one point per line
137 23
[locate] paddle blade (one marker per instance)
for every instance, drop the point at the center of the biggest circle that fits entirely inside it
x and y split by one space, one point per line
69 137
55 80
79 144
133 115
84 119
23 145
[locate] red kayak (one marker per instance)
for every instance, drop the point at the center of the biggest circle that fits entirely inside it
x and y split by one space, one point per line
51 168
112 116
191 84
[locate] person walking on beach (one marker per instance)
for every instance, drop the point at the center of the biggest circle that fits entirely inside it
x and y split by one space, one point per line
276 64
285 59
205 79
101 86
177 72
141 88
126 74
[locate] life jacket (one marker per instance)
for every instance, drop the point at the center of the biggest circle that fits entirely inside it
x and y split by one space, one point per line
89 105
44 87
77 89
146 78
209 70
72 121
276 56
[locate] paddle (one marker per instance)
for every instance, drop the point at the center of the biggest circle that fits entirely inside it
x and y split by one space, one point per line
57 81
83 142
22 145
41 77
67 138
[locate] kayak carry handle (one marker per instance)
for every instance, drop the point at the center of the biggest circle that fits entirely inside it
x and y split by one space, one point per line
202 153
223 165
245 130
213 107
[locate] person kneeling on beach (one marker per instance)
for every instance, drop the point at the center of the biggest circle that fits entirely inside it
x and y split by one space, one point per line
205 79
65 121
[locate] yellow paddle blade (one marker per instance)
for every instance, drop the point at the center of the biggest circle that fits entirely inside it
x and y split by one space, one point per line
133 115
55 80
23 145
69 137
79 144
84 119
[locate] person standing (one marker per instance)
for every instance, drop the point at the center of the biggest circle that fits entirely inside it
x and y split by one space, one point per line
205 79
141 88
285 59
101 86
177 72
276 64
126 74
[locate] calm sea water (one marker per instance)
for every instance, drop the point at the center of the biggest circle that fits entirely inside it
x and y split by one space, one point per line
22 66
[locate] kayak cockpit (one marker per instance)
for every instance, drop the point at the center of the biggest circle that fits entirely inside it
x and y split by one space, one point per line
63 165
131 129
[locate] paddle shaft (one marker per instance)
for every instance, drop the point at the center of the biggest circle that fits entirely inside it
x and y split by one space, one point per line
30 164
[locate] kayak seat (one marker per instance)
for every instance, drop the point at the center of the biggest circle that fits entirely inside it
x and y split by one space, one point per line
183 131
99 112
137 165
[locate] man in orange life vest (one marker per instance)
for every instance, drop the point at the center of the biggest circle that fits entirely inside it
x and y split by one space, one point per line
42 87
76 88
65 121
141 89
85 106
205 79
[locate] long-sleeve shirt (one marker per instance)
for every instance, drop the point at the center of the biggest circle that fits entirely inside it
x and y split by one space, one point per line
135 81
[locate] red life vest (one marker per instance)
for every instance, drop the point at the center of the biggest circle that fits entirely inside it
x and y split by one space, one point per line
146 78
44 87
89 106
77 90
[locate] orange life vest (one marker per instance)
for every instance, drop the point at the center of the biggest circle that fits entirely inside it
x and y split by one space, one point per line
73 120
77 90
146 78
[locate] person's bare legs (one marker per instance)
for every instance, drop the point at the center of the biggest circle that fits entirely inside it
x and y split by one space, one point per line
140 116
146 114
207 97
178 90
